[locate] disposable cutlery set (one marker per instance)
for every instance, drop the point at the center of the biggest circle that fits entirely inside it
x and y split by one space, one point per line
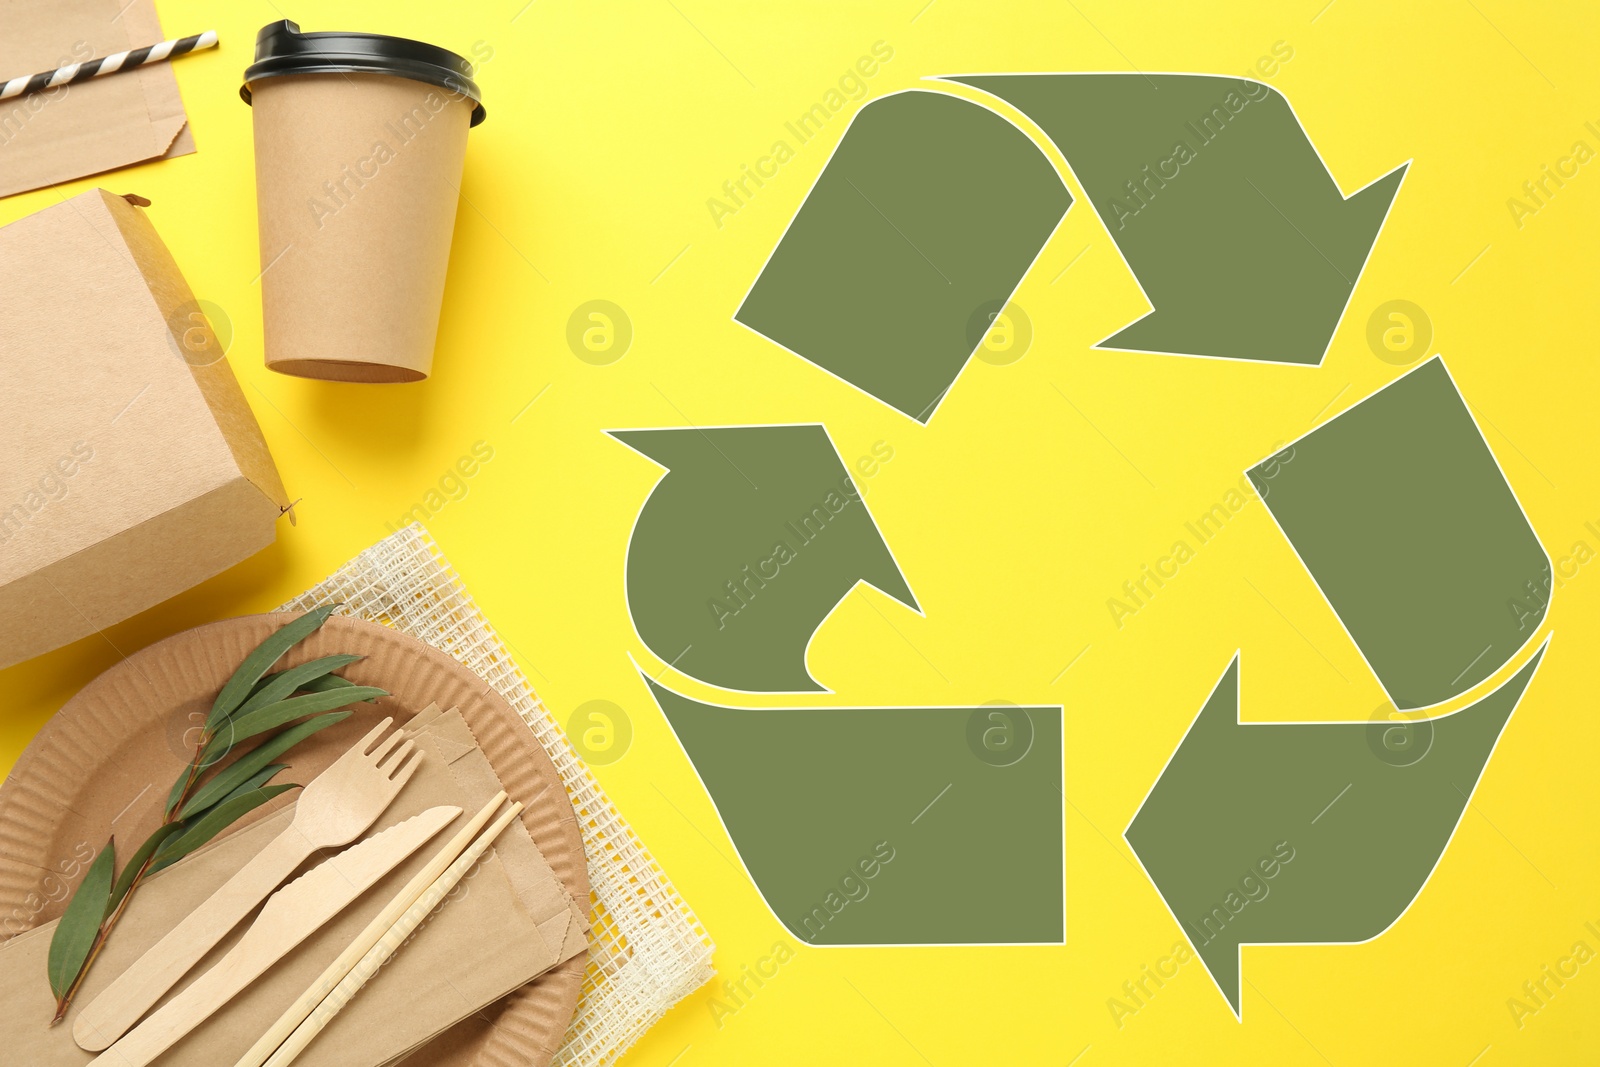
338 807
334 809
306 1018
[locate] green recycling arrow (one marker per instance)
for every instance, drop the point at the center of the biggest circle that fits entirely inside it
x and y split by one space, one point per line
1404 519
1307 833
744 547
889 826
915 235
1218 201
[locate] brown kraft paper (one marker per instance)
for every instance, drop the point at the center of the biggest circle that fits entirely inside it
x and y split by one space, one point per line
357 178
131 466
72 131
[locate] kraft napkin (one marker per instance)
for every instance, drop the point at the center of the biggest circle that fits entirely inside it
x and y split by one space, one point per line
562 922
73 131
508 921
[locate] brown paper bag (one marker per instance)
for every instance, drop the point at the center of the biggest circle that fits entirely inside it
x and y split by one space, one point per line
73 131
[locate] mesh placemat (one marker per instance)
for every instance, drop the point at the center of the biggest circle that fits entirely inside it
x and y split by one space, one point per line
647 950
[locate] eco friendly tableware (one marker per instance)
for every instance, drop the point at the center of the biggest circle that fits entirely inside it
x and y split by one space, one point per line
121 726
130 59
131 467
336 808
389 941
375 931
360 141
291 915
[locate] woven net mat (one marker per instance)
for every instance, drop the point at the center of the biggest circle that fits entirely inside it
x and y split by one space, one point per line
647 950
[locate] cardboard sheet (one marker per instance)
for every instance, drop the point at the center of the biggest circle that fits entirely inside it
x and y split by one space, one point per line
508 921
73 131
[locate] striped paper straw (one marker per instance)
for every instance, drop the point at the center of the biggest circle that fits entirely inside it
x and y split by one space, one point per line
73 73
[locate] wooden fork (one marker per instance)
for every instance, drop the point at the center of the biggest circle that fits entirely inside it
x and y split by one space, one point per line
337 807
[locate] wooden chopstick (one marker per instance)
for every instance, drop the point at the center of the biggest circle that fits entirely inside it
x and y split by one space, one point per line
388 944
392 913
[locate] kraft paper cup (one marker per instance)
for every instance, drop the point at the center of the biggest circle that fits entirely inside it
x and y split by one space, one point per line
360 141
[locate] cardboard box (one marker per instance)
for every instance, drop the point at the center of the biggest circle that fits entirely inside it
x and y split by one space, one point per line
131 467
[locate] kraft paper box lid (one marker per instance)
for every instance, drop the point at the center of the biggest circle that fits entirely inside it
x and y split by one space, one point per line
131 467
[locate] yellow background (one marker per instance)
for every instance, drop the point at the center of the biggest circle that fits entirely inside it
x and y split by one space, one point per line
1015 514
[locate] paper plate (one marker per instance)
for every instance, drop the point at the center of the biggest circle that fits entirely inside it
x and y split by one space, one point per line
90 770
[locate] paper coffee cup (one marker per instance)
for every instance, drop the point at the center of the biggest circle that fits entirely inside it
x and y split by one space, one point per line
360 141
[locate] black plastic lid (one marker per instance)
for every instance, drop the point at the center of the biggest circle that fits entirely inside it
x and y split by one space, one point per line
282 49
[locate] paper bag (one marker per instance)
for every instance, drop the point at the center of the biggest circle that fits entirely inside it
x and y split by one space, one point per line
73 131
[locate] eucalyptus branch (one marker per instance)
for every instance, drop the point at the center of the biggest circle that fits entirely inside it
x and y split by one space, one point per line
198 808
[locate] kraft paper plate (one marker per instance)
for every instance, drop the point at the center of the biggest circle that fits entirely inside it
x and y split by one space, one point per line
103 764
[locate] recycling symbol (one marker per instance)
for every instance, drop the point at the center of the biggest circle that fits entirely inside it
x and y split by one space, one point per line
951 818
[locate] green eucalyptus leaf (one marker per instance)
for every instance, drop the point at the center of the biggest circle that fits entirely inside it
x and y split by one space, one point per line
213 822
255 784
80 923
328 683
176 793
280 684
279 714
248 764
244 784
261 660
131 869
